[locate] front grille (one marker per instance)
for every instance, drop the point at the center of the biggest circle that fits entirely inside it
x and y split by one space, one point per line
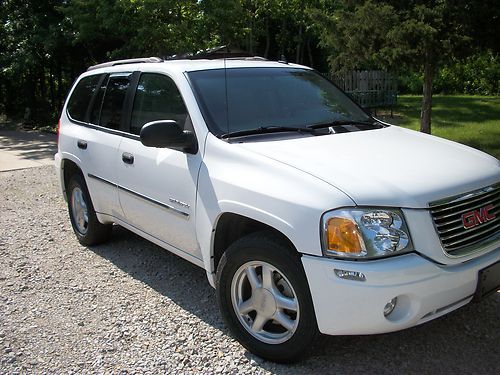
447 216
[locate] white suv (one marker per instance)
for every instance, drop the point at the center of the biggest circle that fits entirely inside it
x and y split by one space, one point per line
307 214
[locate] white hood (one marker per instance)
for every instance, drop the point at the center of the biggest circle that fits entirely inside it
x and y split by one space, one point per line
386 167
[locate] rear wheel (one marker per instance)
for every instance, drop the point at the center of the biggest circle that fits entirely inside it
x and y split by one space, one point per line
86 226
264 297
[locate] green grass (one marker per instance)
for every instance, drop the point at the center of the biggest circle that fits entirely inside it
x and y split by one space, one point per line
471 120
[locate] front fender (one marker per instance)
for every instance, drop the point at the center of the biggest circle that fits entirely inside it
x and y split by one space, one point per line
235 180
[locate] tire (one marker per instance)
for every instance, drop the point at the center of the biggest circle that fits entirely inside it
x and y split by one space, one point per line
264 297
86 226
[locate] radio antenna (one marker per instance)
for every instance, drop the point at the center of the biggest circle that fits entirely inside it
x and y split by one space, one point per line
225 89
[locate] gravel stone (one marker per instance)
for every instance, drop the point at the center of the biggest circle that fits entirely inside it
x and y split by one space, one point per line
129 306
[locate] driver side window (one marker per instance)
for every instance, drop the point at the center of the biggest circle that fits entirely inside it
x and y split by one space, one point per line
157 98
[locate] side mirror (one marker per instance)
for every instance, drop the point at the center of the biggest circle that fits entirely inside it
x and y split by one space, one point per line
168 134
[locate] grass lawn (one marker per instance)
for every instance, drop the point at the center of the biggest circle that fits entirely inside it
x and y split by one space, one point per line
471 120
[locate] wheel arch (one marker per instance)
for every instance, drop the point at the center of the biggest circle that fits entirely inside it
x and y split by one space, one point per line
69 168
231 226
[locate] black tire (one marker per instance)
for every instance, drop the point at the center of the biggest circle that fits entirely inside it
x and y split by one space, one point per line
264 247
93 232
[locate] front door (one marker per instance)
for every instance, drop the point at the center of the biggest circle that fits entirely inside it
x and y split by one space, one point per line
157 187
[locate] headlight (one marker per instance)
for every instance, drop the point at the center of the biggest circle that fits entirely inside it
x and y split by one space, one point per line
364 233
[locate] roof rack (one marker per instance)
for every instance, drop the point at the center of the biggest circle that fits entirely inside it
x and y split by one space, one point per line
221 52
127 61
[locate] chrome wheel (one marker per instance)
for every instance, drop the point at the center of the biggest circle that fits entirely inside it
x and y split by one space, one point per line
265 302
79 210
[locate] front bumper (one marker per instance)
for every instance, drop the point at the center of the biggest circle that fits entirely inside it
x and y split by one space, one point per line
425 291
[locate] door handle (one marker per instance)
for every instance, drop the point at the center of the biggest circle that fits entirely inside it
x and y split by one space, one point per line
128 158
82 144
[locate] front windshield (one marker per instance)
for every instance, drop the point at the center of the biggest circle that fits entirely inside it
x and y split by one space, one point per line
264 97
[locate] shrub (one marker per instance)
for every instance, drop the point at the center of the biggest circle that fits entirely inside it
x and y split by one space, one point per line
478 74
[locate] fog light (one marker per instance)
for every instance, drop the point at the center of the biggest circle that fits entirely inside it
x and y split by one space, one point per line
390 306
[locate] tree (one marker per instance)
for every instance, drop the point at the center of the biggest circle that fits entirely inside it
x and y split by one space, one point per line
418 35
45 45
31 53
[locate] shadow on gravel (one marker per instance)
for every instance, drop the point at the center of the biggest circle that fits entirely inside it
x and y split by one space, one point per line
29 144
171 276
465 341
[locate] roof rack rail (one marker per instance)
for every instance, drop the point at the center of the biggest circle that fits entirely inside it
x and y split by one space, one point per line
248 58
221 52
126 61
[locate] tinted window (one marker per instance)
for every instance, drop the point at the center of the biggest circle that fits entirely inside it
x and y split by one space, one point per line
80 98
112 105
157 98
96 109
258 97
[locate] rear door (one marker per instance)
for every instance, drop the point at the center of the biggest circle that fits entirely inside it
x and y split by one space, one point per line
157 187
107 118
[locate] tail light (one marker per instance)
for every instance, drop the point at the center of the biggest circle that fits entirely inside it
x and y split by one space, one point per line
57 132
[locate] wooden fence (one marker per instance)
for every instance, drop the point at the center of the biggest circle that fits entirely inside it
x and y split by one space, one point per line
370 89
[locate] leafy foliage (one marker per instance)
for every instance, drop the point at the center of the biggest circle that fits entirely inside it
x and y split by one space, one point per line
45 44
478 74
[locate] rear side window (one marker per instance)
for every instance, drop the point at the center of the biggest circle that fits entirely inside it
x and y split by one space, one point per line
112 105
157 98
96 109
80 98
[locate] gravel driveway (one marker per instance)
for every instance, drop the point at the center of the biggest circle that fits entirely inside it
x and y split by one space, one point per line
130 307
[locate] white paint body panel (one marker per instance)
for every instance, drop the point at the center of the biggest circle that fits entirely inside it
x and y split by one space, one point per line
160 174
288 184
99 159
391 167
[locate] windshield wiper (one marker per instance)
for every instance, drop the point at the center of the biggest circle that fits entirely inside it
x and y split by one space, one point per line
371 124
272 129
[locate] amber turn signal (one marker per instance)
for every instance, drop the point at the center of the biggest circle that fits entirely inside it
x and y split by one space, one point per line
343 236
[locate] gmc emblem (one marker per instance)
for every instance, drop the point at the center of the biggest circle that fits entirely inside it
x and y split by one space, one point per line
474 218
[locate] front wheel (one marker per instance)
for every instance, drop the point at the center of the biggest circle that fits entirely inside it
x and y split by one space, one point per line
264 298
86 226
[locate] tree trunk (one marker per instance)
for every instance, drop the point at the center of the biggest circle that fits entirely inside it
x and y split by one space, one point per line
250 36
299 44
281 42
268 39
309 53
30 89
43 91
425 115
71 70
59 83
9 98
52 88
